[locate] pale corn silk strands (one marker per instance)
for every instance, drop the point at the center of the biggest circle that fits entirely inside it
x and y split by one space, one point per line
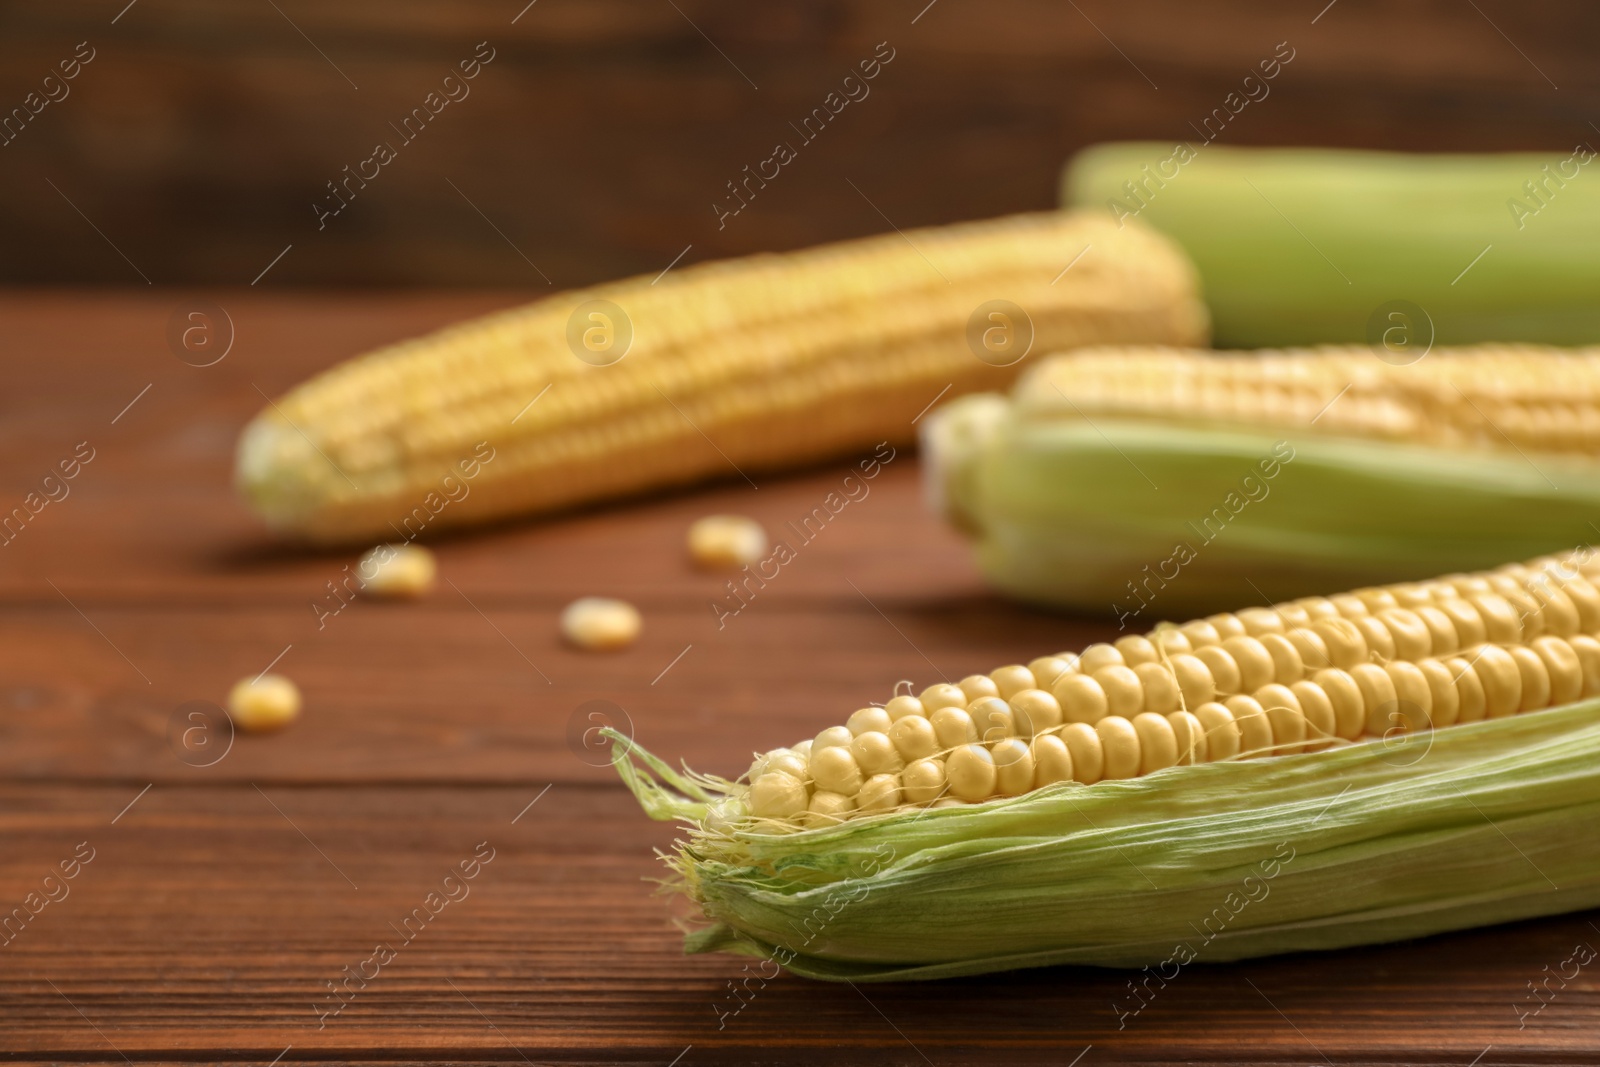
1377 841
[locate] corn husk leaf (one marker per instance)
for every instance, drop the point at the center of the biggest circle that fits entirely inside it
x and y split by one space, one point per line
1372 842
1104 515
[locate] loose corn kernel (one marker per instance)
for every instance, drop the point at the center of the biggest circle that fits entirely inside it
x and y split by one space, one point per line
600 624
267 702
726 542
397 571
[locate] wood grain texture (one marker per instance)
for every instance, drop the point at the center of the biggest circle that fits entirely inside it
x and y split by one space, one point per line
597 141
222 899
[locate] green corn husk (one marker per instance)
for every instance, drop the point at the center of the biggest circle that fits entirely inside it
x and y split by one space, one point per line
1108 512
1303 246
1379 841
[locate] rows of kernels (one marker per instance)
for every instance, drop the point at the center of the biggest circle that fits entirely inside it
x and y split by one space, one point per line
1296 677
1532 397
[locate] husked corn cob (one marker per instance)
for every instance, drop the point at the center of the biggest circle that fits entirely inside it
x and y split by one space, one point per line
1156 479
706 371
1296 677
1491 397
1095 807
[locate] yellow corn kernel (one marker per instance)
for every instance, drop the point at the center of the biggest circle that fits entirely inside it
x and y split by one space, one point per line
599 624
267 702
726 542
397 571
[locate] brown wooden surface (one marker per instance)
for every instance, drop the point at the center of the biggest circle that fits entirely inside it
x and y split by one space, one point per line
598 139
222 900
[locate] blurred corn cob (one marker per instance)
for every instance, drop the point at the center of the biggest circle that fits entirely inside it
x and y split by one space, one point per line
1310 246
747 365
1134 481
1116 807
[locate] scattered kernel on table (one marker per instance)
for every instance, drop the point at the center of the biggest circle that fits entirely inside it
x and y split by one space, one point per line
600 624
269 702
397 571
726 542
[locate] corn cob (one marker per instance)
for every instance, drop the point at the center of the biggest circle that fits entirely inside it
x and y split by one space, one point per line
1096 807
1299 676
707 371
1306 246
1142 480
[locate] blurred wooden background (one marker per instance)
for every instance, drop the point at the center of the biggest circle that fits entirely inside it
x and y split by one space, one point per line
596 142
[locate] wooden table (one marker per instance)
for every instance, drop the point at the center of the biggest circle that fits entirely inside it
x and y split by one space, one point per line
221 901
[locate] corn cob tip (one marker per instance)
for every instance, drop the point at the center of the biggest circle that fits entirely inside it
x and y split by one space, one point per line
951 438
279 472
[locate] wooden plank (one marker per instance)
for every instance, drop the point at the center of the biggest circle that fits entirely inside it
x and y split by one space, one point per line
602 133
444 693
221 899
210 919
110 635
